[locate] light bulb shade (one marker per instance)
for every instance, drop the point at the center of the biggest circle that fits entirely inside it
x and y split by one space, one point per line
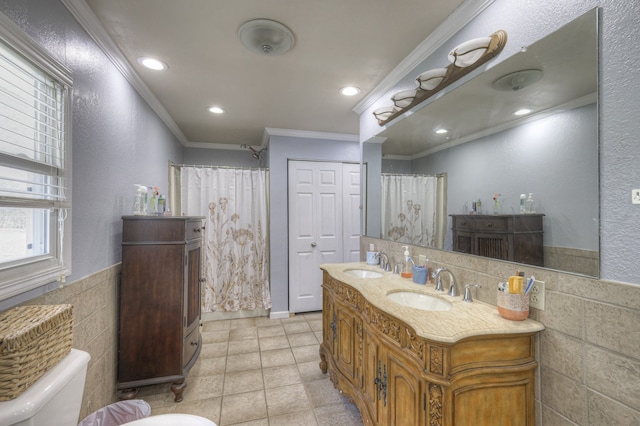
266 37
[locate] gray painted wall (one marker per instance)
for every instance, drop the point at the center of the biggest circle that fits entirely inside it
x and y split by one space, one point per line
117 139
619 100
282 149
555 158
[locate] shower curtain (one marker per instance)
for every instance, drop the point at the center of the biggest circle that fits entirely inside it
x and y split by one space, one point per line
234 202
410 210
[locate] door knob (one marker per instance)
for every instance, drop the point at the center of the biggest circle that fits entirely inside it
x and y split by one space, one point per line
313 244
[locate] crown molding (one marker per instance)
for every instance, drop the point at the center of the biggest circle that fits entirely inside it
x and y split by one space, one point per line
89 21
305 134
454 23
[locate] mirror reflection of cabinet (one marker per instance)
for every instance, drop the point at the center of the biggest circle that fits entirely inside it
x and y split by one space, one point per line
517 238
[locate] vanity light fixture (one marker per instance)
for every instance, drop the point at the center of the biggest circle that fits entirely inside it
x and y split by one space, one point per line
350 90
523 111
152 63
216 110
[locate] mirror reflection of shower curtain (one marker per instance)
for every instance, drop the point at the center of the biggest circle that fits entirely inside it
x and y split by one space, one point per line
414 209
234 202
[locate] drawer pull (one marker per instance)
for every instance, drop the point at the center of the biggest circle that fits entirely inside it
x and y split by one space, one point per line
194 343
489 225
197 229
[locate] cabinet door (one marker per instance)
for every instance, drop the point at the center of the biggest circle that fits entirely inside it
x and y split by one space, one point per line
329 320
495 246
403 405
192 288
371 374
346 343
463 242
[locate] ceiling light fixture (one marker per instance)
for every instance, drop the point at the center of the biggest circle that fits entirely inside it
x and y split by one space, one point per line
517 80
152 63
266 37
442 131
350 90
216 110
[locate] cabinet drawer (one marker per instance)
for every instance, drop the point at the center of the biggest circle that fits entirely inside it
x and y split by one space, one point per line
190 346
194 229
480 223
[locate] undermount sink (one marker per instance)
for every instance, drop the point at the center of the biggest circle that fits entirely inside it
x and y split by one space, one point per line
363 273
419 301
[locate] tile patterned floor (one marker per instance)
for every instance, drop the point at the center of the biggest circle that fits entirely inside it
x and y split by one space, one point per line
259 372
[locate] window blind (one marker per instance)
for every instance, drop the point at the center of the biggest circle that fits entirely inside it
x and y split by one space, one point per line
32 137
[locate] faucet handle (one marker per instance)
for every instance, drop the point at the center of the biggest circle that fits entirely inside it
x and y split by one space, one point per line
467 292
397 268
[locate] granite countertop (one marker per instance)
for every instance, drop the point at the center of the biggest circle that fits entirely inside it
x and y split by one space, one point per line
461 321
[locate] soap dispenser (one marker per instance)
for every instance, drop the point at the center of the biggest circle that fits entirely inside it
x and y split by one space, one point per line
407 270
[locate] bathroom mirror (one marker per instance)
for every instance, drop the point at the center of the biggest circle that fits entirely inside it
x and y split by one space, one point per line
551 152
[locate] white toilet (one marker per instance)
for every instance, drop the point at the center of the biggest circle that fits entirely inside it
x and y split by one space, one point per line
56 398
172 420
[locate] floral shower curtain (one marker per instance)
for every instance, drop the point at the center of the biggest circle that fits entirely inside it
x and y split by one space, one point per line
234 202
410 210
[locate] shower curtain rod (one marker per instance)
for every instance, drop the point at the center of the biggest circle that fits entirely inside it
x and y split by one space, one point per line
205 166
409 174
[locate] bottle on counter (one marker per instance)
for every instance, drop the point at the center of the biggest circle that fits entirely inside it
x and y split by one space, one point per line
529 205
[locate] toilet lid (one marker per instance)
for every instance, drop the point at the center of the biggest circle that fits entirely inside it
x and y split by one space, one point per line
172 420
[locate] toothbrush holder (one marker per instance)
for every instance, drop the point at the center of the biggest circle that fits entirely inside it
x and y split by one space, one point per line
513 306
420 274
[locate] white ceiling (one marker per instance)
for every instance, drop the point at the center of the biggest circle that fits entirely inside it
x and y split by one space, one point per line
338 43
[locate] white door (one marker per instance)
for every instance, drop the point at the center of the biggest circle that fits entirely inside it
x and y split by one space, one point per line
316 228
352 212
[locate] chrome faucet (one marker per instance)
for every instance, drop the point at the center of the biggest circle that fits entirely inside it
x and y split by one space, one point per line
467 293
453 289
384 261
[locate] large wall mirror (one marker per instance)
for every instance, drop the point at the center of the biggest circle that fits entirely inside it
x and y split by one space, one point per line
487 150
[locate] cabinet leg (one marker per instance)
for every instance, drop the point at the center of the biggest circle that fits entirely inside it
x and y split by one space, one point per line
178 388
323 362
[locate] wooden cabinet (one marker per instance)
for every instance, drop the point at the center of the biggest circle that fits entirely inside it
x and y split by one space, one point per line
159 302
404 379
517 238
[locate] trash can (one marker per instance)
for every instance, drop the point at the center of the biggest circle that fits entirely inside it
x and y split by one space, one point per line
118 413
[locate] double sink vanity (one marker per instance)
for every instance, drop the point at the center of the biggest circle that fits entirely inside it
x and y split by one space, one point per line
408 355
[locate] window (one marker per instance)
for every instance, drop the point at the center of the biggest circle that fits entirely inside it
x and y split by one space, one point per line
35 170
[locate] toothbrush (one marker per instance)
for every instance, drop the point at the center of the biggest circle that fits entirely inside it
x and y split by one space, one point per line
529 284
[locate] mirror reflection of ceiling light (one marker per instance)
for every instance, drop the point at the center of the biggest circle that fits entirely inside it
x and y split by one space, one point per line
350 90
523 111
216 110
442 131
152 63
518 80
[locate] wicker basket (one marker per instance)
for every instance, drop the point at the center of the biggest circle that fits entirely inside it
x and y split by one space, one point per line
33 339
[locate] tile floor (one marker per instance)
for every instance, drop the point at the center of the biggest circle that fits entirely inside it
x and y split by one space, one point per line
259 372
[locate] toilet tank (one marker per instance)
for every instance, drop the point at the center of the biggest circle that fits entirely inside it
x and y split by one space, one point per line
55 399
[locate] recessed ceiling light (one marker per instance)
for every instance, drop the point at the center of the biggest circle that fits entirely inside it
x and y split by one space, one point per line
523 111
216 110
350 90
152 63
442 131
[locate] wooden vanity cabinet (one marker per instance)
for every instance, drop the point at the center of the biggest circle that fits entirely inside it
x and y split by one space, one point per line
404 379
159 302
517 238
